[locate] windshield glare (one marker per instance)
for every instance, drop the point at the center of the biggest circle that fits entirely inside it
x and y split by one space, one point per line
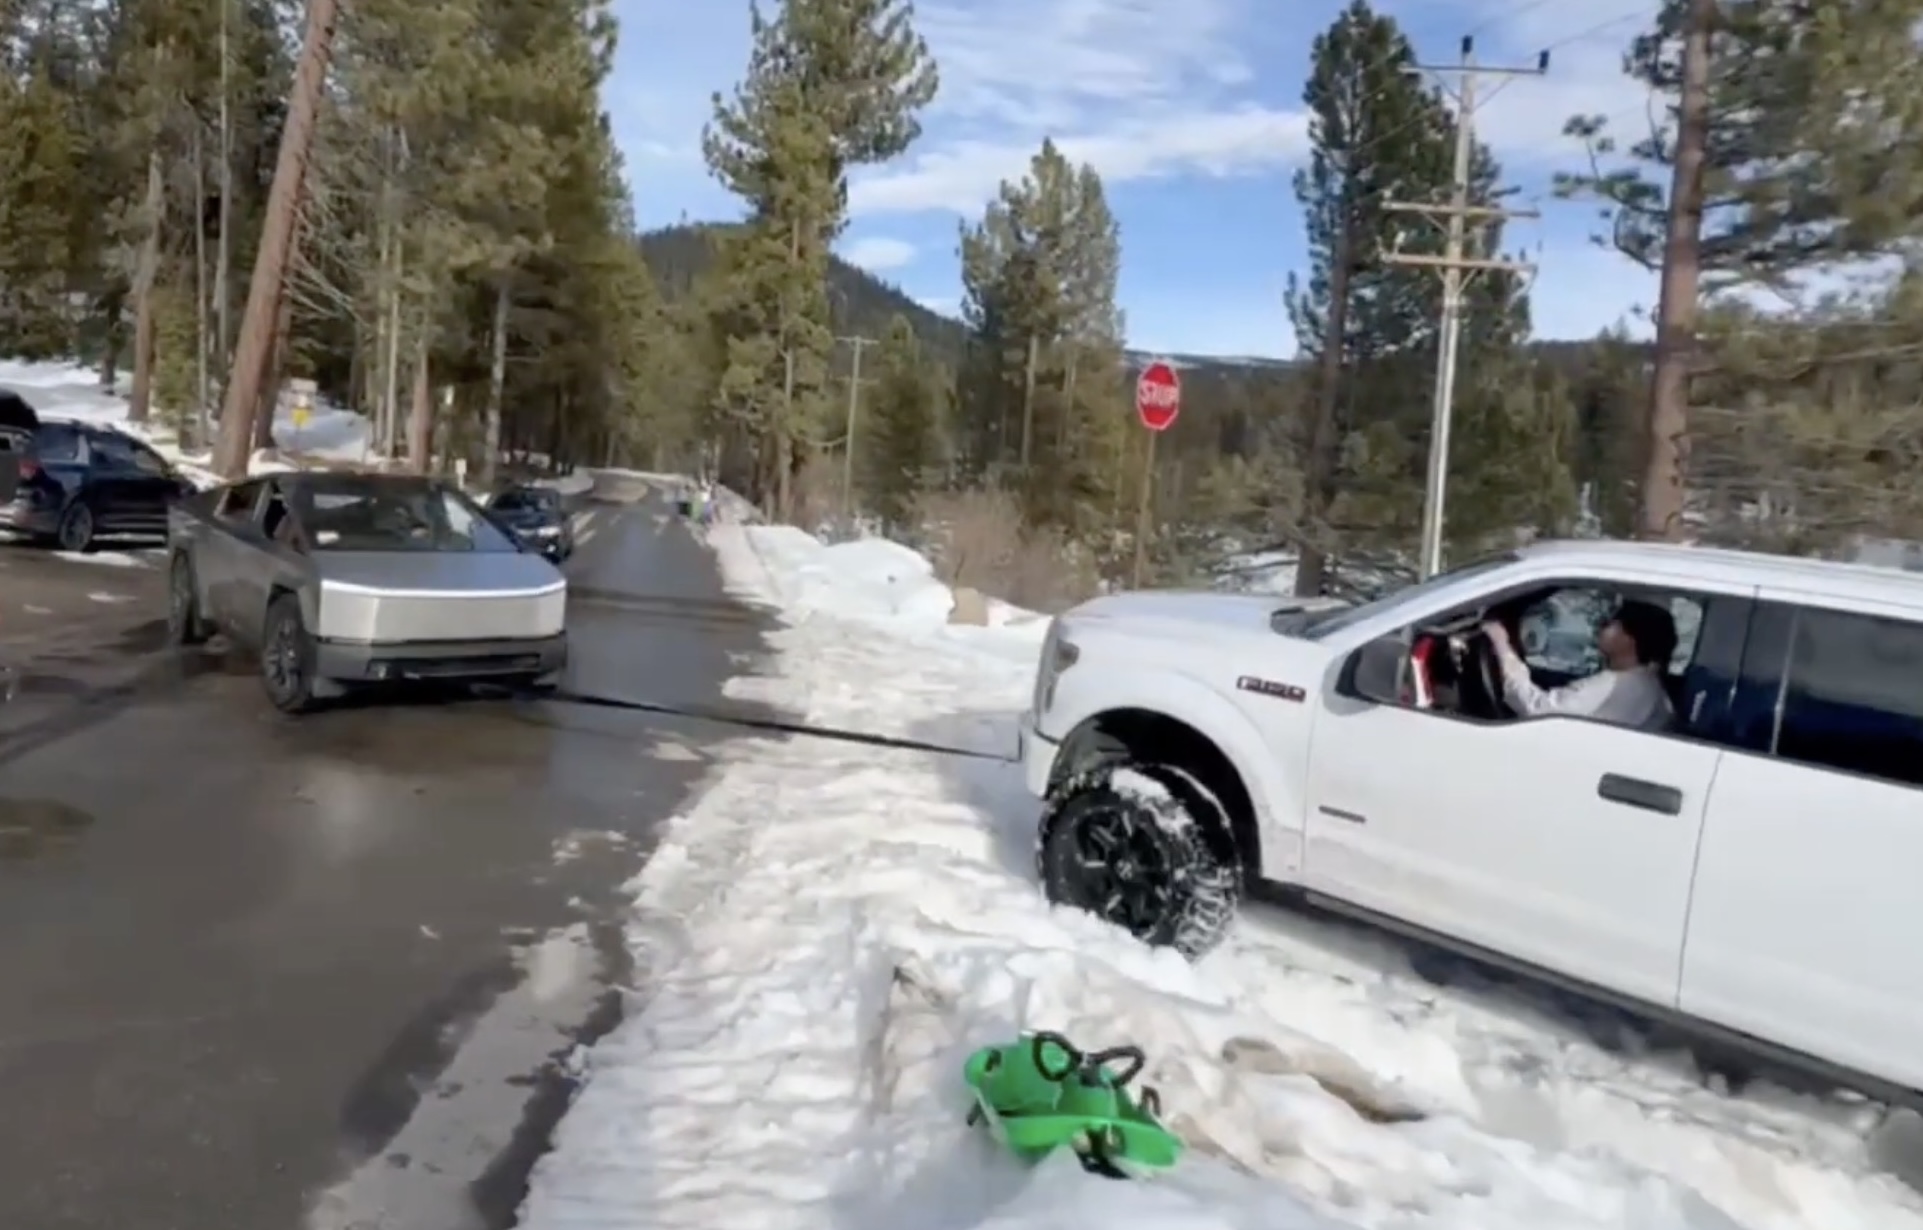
1336 621
396 519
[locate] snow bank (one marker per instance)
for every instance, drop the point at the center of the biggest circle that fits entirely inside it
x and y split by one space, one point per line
830 929
873 581
870 578
71 391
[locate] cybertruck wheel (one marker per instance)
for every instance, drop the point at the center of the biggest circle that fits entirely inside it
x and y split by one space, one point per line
185 627
287 658
1145 847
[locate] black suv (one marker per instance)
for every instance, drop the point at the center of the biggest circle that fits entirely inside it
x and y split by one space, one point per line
538 519
70 482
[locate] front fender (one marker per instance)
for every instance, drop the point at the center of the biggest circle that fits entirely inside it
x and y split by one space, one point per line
1273 783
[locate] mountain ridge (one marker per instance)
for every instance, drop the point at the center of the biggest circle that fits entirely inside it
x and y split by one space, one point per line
864 303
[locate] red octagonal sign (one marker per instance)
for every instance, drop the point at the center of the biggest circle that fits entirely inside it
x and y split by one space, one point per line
1158 395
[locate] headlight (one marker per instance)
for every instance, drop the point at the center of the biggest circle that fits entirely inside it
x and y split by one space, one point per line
548 531
1058 654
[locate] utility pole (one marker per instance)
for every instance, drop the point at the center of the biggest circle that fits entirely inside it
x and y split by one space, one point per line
1028 396
254 348
1458 267
1666 454
848 438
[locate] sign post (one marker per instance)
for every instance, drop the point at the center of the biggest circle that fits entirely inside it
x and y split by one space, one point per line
301 393
1158 402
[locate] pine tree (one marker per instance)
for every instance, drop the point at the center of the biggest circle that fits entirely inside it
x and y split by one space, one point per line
1381 136
831 85
1815 151
41 174
1609 396
1045 393
1377 135
905 428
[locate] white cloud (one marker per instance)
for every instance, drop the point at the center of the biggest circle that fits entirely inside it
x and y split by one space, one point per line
962 175
1202 94
878 254
1522 118
1140 89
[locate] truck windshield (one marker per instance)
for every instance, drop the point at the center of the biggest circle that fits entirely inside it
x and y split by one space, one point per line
395 517
1336 621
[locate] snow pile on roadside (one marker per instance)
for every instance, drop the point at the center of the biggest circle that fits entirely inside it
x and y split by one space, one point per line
872 580
831 929
72 391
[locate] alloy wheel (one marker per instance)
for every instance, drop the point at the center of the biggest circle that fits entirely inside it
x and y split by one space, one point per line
283 663
1121 866
76 528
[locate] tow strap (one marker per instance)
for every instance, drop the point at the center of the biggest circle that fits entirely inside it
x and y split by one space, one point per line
773 725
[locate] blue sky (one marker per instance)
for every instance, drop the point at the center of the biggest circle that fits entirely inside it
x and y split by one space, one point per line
1190 109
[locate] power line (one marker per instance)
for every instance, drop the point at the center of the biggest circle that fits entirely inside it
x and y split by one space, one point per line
1458 267
1565 41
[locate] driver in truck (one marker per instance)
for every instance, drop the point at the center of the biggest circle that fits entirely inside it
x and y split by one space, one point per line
1636 644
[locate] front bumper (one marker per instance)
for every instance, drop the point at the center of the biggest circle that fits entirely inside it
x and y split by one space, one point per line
393 662
1037 752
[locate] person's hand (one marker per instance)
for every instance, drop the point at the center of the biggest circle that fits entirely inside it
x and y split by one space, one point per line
1497 634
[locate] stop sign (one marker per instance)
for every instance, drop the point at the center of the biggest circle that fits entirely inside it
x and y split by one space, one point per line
1158 395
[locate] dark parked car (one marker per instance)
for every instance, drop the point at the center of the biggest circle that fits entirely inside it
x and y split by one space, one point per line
536 517
70 483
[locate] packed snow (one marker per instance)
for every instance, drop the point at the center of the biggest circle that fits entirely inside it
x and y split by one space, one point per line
830 929
72 391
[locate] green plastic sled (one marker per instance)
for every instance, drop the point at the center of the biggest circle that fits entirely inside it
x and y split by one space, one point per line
1040 1093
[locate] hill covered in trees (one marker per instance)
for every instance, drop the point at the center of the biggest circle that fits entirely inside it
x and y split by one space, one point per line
862 304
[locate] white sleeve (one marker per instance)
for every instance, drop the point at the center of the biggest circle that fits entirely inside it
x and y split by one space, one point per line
1583 698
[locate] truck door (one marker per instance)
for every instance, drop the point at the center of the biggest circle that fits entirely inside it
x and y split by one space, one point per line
1802 927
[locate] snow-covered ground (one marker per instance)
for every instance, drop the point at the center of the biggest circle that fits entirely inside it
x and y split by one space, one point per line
830 929
71 391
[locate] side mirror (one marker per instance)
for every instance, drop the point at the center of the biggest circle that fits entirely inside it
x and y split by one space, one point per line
1376 670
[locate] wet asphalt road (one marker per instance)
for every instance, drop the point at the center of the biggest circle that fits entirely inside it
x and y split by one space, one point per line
265 973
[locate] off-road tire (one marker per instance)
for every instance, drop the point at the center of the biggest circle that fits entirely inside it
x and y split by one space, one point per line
185 627
76 530
1204 870
295 694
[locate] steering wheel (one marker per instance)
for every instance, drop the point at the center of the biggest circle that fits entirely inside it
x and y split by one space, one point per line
1484 699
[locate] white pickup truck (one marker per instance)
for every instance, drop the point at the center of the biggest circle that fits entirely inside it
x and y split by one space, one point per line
1752 868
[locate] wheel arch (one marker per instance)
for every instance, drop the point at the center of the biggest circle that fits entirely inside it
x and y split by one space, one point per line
1147 734
276 590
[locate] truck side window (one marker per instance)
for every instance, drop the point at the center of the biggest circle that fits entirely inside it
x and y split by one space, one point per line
237 504
1853 695
1559 633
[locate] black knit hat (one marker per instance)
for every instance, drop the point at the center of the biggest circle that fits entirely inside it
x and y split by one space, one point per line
1651 628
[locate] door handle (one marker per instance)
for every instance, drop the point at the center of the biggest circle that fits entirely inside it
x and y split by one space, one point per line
1635 792
1336 813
